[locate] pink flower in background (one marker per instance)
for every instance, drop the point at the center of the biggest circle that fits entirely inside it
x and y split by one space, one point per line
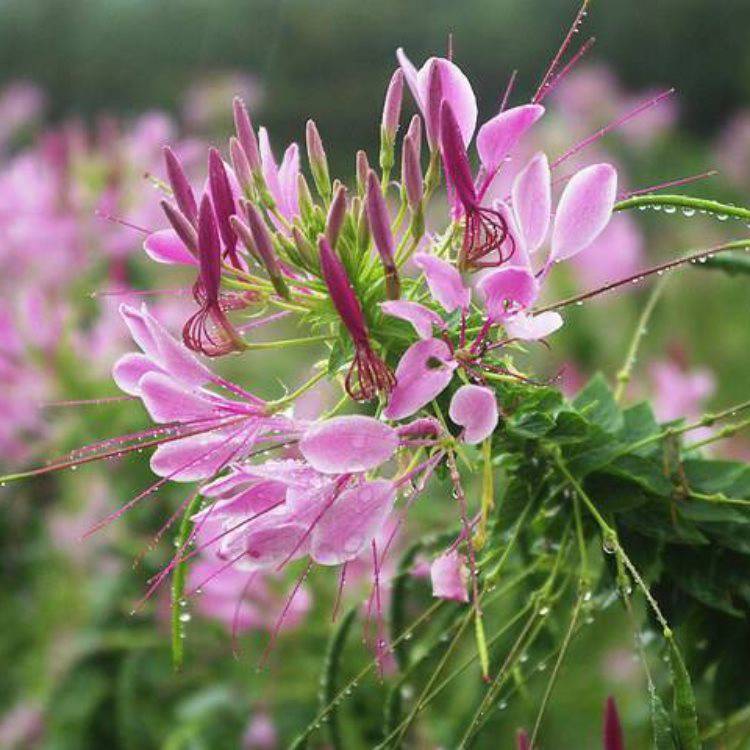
679 392
21 105
261 733
732 150
449 576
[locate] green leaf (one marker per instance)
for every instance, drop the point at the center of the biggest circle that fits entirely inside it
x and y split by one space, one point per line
731 263
597 403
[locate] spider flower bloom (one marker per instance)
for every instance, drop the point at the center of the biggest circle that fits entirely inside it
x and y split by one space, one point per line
368 374
208 330
485 229
380 226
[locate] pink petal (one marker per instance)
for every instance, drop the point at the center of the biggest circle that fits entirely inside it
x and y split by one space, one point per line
500 135
584 210
444 281
474 407
424 371
272 545
532 201
200 456
270 168
506 291
256 499
167 401
456 90
533 327
448 574
166 247
175 357
135 320
348 444
514 243
421 317
352 522
128 371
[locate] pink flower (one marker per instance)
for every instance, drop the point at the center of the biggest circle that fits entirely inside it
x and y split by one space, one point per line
679 392
261 733
449 575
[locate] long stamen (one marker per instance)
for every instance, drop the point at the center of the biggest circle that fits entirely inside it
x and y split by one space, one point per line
555 82
670 184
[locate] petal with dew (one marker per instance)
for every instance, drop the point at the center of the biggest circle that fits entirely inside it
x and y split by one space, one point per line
474 408
135 320
449 575
422 318
348 444
201 456
584 210
500 135
507 291
165 246
424 371
533 327
167 401
445 282
273 544
129 369
352 522
532 196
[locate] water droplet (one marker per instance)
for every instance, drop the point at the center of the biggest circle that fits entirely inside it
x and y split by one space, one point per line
502 705
543 611
688 212
670 209
186 617
722 217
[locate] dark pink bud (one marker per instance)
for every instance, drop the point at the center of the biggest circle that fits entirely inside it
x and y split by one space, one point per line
368 374
392 106
380 227
246 135
223 200
613 739
184 229
336 215
411 173
456 162
522 740
263 243
209 251
434 102
208 330
183 193
485 228
240 165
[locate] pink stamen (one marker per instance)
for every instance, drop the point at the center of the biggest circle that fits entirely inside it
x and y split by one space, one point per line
555 82
560 52
670 184
619 122
508 90
122 222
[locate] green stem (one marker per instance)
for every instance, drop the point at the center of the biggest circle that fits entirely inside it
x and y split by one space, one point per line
626 372
684 202
179 575
264 345
274 406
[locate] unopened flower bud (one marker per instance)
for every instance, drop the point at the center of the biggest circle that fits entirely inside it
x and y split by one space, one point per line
241 166
182 227
318 162
390 120
183 193
380 226
306 250
363 169
415 133
261 238
336 215
305 200
223 203
246 135
411 174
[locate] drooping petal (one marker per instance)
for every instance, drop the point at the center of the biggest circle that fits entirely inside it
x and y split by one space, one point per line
584 210
506 291
135 320
532 195
448 574
474 407
166 401
273 544
444 281
129 369
424 371
500 135
348 444
422 318
352 522
166 247
255 499
533 327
